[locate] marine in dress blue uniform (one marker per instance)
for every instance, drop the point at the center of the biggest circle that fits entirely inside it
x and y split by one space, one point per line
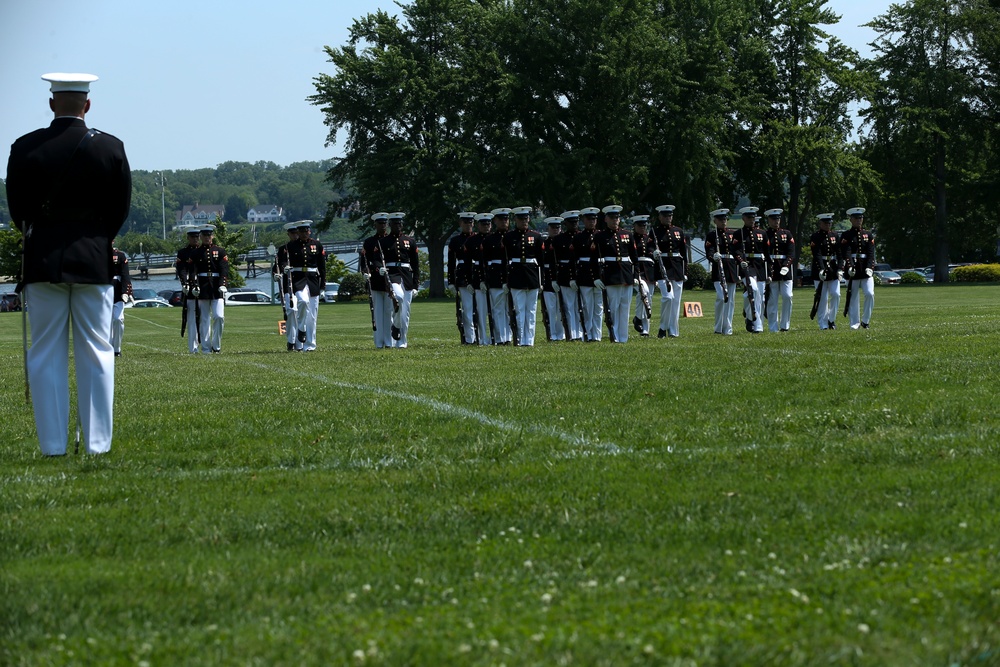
460 275
826 271
69 189
645 272
371 264
781 273
212 266
187 274
615 260
672 250
752 242
281 272
403 266
591 301
495 257
122 286
857 251
524 254
565 258
308 260
722 250
550 280
477 277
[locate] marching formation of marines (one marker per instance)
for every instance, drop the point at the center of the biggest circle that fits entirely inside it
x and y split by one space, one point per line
586 279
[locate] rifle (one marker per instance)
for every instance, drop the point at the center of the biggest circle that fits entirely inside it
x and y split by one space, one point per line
583 321
767 298
722 281
475 318
609 319
644 293
545 315
388 283
489 317
850 290
750 294
816 297
371 301
184 309
512 313
459 320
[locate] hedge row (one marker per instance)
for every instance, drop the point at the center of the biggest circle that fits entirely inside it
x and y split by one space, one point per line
977 273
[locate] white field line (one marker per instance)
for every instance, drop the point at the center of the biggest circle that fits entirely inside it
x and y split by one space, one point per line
435 405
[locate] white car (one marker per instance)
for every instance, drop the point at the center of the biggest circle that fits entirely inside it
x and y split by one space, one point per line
148 303
329 294
247 299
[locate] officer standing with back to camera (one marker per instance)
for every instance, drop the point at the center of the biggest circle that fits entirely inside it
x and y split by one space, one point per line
282 274
371 265
825 273
123 294
781 273
187 274
671 255
69 189
752 243
857 250
460 275
403 266
212 266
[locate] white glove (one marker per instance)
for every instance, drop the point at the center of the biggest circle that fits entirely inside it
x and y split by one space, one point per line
685 277
483 286
840 274
850 272
128 298
656 253
573 286
414 292
506 289
744 265
186 290
555 286
277 277
599 284
195 291
716 257
223 290
635 282
366 276
769 280
783 271
382 271
868 272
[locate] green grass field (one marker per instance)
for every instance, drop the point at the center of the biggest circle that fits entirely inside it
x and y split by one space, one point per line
809 498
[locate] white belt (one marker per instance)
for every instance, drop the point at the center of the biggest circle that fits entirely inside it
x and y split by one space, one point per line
828 258
754 255
495 261
564 261
208 275
853 256
518 260
623 260
727 256
304 269
475 262
116 277
583 259
404 265
779 256
460 261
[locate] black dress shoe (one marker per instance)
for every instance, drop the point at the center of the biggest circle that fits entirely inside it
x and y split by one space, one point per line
864 325
118 354
291 347
833 325
662 333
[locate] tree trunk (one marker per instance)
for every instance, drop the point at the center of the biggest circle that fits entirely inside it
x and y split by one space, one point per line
794 219
941 253
435 257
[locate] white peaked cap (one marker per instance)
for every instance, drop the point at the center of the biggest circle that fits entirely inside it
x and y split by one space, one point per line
856 211
749 210
720 212
63 82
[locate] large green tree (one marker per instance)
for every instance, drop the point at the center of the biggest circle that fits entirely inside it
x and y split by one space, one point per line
793 132
397 92
930 130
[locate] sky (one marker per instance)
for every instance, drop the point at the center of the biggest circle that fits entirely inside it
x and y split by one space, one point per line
189 84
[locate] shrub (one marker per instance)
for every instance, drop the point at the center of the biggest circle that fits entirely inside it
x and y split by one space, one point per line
351 286
977 273
698 277
912 278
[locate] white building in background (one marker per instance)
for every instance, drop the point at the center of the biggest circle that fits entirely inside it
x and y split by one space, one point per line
266 213
199 214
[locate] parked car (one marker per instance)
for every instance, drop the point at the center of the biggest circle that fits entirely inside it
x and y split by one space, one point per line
329 294
253 298
883 267
888 277
148 303
10 302
140 293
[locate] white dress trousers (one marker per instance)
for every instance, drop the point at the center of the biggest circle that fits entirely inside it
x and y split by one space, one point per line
502 332
213 319
52 309
829 303
670 306
781 292
553 304
482 299
571 306
401 319
758 303
724 311
526 307
467 295
383 319
620 306
593 312
865 286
